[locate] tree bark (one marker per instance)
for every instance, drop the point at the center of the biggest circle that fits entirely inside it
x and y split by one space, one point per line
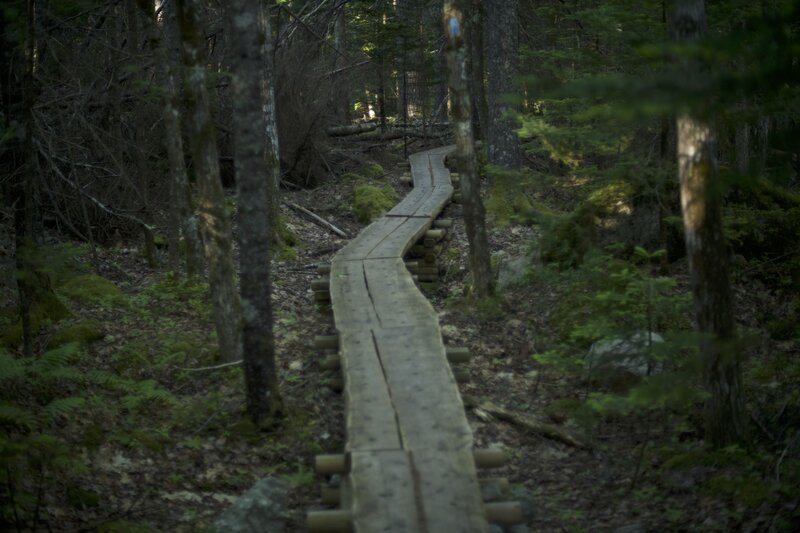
255 163
474 213
476 67
502 43
708 258
182 217
215 224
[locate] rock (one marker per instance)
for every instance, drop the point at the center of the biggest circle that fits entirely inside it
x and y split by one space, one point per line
629 354
261 509
525 499
491 492
511 271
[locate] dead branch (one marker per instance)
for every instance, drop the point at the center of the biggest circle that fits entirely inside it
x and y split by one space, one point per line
351 129
526 422
316 218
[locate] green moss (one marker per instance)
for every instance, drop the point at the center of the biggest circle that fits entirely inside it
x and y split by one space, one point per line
92 289
373 171
372 201
566 238
84 332
750 490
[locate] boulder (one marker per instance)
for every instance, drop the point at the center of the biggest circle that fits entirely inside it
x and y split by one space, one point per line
625 353
261 509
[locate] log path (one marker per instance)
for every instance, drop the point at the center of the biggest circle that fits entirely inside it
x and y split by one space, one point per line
409 463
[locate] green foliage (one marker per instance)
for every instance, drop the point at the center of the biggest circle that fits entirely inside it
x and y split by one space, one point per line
91 289
373 171
372 201
610 299
82 331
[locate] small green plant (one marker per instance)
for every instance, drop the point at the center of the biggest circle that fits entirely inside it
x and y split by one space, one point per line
372 201
91 289
373 171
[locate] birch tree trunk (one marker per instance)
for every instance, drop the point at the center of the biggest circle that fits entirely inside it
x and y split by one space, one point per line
256 165
474 213
701 203
502 43
215 224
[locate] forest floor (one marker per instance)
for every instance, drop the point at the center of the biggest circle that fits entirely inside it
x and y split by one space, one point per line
146 461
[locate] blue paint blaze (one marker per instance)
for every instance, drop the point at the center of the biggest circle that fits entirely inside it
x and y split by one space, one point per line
454 28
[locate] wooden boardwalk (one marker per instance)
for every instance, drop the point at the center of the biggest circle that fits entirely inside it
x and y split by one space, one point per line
409 460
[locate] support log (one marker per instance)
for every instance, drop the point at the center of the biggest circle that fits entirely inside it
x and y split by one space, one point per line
321 285
458 354
461 375
337 521
329 464
324 269
504 513
489 458
326 342
445 223
331 362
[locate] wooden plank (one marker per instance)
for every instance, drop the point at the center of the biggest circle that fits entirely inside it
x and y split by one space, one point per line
401 239
413 200
435 202
420 170
396 300
350 299
382 495
429 409
370 419
449 491
369 238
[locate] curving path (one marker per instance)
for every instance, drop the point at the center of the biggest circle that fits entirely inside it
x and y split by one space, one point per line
409 452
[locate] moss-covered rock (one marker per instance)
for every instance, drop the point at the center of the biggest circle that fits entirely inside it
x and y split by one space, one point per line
83 332
372 201
93 290
373 171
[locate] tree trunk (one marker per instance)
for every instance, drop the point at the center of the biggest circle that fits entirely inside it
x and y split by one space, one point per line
502 43
474 214
342 103
708 258
270 111
215 225
255 164
182 218
476 68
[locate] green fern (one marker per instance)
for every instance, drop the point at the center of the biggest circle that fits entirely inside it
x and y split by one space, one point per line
10 367
58 357
145 392
62 407
13 417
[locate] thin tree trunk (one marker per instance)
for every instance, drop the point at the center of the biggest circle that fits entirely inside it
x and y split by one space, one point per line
474 214
256 165
215 225
502 43
180 190
708 258
476 68
271 130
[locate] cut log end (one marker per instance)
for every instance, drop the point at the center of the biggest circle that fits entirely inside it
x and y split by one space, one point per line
335 521
489 458
326 342
458 354
504 513
335 463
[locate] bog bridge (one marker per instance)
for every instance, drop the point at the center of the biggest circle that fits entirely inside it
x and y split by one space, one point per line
409 463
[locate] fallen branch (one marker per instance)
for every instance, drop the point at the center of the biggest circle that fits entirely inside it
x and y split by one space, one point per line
351 129
526 422
217 367
318 219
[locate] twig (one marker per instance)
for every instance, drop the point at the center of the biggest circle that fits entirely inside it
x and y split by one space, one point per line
217 367
316 218
526 422
783 454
